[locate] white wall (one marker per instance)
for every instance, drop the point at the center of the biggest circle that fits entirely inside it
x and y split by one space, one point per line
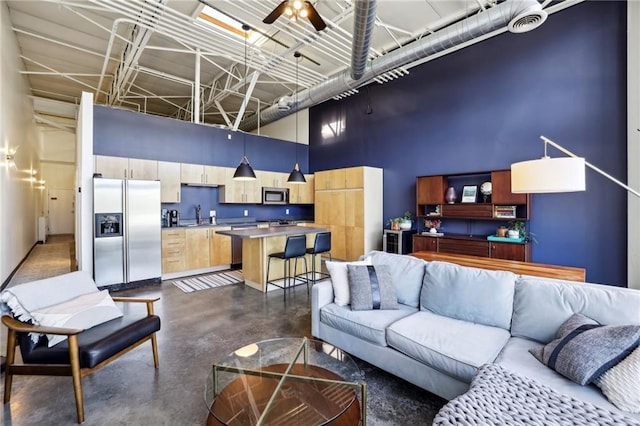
18 196
285 128
633 135
84 188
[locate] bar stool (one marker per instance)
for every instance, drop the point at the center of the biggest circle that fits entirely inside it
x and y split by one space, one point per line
322 244
294 248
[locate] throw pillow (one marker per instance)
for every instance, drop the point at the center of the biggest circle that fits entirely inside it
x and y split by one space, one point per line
621 383
81 312
340 280
370 287
584 349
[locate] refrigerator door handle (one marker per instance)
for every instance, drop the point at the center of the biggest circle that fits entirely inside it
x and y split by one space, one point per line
125 252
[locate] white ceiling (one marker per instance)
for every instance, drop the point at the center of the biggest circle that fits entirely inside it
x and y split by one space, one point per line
101 46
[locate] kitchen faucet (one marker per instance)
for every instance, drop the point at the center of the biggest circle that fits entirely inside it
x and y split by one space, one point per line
198 215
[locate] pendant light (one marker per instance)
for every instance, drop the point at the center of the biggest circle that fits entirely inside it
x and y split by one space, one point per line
296 175
244 171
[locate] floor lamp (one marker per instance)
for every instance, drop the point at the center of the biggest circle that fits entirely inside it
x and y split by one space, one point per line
548 175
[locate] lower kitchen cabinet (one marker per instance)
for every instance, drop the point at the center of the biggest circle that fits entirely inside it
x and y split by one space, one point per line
219 247
473 246
197 248
173 250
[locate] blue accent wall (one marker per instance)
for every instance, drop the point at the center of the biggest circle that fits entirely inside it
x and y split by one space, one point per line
484 107
123 133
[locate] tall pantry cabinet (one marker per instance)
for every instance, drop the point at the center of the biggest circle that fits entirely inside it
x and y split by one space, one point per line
348 202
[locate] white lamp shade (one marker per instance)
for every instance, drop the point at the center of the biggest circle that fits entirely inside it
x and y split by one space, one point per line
548 175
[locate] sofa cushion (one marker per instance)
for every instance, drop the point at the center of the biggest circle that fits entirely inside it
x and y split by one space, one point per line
340 280
370 288
515 356
621 383
584 349
407 273
368 325
469 294
452 346
561 299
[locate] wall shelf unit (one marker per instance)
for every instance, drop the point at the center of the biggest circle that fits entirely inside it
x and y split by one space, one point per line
501 206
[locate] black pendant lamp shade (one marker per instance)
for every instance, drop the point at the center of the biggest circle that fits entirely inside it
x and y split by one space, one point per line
296 175
244 171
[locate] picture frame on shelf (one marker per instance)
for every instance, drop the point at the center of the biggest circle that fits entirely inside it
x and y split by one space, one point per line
469 193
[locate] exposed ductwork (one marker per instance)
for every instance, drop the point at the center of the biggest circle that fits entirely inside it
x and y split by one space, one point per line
497 17
364 19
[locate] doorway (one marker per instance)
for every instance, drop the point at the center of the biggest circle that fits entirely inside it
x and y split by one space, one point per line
61 208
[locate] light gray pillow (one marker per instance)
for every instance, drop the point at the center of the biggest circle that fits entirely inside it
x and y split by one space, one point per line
370 287
583 349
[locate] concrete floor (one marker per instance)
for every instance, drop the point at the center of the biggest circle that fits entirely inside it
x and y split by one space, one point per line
197 329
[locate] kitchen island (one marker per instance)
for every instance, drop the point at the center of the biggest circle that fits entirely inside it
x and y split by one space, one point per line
258 243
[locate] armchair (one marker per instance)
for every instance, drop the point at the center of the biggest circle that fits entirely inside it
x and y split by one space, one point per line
83 350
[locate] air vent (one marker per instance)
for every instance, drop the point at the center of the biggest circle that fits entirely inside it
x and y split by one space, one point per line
527 21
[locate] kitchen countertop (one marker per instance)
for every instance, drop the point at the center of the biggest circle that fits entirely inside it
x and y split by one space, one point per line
271 231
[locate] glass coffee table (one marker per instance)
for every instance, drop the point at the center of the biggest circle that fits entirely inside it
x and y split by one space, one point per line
295 381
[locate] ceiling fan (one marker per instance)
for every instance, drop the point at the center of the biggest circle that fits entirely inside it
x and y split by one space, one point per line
295 9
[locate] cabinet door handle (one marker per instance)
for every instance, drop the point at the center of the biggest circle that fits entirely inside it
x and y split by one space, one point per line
125 173
131 173
201 178
178 195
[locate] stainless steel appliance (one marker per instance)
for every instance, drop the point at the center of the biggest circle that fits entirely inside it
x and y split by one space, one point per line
276 196
127 235
174 218
398 242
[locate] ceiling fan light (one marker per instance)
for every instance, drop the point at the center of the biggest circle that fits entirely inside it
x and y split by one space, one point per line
297 4
304 13
288 11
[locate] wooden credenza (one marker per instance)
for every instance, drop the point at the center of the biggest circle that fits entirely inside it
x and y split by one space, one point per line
472 246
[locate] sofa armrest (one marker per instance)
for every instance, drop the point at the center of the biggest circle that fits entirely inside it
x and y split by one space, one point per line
321 295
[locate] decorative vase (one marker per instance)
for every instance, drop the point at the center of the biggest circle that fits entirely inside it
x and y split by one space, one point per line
512 233
433 231
450 195
405 224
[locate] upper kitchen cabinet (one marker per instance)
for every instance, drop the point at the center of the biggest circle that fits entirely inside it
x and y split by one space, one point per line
216 175
272 179
126 168
239 191
169 176
330 179
302 193
199 174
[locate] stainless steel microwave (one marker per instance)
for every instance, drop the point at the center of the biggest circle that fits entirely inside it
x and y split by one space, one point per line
275 195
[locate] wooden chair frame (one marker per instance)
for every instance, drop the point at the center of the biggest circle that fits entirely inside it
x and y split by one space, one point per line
73 369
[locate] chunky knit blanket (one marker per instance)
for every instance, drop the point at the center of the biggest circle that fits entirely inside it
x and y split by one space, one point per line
500 397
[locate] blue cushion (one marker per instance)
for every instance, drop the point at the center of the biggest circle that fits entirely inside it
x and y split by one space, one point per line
406 272
469 294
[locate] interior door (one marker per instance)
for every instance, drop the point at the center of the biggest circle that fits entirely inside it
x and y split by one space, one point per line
61 211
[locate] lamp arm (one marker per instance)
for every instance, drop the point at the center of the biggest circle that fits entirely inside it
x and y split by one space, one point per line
591 166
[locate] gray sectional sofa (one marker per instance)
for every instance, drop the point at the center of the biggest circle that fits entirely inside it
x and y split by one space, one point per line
453 319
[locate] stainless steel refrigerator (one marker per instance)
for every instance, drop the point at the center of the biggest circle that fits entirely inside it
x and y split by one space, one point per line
127 243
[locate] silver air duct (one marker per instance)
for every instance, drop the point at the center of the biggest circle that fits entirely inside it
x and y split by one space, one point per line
364 19
497 17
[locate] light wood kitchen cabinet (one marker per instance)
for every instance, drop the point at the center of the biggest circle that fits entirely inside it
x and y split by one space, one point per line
197 251
238 191
330 179
126 168
302 193
272 179
169 176
354 216
173 250
216 175
219 247
192 173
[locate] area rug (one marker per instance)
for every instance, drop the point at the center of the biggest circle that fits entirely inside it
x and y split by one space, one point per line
205 282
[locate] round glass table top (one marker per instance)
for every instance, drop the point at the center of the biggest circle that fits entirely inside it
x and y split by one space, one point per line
285 380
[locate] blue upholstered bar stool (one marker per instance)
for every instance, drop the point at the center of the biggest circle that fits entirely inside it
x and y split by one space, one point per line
294 248
321 244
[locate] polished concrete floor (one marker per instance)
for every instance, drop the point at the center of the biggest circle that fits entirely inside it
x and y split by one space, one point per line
197 329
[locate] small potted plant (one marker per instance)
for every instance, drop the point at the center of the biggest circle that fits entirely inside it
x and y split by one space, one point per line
406 220
394 223
502 231
518 229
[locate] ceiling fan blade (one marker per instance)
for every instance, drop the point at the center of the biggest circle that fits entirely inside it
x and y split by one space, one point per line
313 16
275 13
